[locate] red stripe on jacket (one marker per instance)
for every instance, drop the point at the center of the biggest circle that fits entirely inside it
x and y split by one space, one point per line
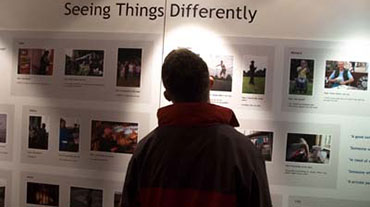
195 114
161 197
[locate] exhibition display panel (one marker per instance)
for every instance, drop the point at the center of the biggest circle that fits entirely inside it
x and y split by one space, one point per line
81 85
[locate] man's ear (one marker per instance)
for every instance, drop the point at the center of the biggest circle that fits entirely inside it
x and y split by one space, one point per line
211 82
167 96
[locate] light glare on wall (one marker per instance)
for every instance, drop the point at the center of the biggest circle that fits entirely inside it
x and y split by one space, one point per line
199 40
356 49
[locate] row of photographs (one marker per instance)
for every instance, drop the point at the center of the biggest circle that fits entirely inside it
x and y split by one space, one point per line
49 195
104 141
344 75
45 194
80 138
78 62
106 136
339 74
38 190
84 139
122 137
305 148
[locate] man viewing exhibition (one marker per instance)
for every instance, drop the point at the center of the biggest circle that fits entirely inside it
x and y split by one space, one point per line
194 158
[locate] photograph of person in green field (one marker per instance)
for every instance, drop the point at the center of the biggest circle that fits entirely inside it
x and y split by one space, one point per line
254 74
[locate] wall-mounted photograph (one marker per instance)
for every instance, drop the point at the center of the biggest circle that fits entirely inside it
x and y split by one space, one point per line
3 126
308 148
263 140
254 74
86 197
129 67
38 132
35 61
301 76
346 75
69 134
117 199
2 196
221 70
42 194
116 137
84 63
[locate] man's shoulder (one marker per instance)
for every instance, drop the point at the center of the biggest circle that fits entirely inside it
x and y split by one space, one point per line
219 130
240 144
218 133
146 139
230 133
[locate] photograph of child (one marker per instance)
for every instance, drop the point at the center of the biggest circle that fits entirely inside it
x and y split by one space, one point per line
42 194
254 74
301 76
310 148
86 197
221 70
35 61
346 75
263 142
84 63
129 67
69 134
117 137
38 133
3 125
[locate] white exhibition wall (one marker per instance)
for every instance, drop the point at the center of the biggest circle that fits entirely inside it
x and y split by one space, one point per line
102 70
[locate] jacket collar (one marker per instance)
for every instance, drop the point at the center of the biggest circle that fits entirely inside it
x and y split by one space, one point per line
195 114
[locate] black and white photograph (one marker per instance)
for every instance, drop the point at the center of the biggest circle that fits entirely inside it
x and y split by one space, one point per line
221 70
